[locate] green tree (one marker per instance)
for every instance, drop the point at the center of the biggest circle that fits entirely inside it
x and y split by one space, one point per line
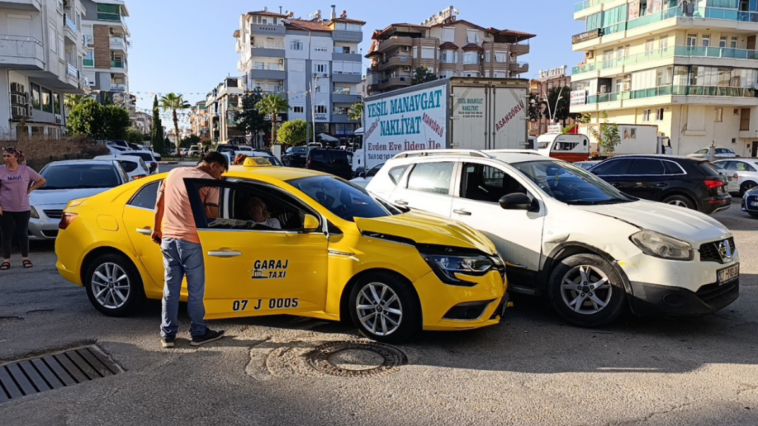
607 136
189 141
293 133
422 75
355 113
173 102
72 101
97 121
535 110
272 105
157 137
560 102
249 119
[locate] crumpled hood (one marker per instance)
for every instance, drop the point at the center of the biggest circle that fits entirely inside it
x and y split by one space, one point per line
62 196
426 228
684 224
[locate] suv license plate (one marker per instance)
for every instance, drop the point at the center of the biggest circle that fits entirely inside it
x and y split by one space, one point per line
729 274
754 204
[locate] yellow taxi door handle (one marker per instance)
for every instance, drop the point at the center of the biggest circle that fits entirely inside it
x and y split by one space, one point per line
224 253
145 231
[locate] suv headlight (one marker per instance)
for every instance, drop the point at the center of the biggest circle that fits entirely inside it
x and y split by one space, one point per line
654 244
446 266
34 213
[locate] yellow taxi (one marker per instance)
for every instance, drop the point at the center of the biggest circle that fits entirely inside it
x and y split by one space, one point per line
327 250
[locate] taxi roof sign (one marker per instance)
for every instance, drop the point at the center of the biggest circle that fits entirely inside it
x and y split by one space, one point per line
257 162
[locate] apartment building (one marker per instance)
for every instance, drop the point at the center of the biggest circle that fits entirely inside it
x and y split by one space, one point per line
448 47
107 36
222 105
691 68
41 55
143 122
315 63
540 89
199 121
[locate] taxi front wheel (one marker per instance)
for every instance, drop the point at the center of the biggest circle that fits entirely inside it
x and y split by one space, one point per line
385 307
114 286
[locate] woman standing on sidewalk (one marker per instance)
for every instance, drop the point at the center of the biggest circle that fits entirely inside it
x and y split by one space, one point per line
17 181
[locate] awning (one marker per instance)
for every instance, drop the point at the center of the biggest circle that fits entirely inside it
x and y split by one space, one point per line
328 138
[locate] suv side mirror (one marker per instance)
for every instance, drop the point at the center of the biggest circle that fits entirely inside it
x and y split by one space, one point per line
310 223
515 201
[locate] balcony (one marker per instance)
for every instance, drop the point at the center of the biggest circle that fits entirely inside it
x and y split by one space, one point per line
265 29
117 87
394 82
343 77
111 17
118 43
273 50
89 62
395 42
70 28
348 57
395 61
21 5
519 67
347 36
118 65
345 97
268 72
21 52
588 4
72 73
520 49
742 96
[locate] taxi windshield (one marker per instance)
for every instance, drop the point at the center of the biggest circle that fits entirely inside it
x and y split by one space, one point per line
345 200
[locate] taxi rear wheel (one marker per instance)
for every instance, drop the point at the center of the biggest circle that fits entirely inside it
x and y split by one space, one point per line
385 307
114 286
587 291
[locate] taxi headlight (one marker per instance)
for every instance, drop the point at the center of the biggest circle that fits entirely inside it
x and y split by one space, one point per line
34 214
446 266
654 244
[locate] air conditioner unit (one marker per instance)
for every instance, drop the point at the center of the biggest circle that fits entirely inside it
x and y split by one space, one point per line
17 88
19 111
406 49
18 100
407 69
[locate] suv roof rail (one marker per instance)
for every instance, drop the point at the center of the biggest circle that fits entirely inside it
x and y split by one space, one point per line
430 152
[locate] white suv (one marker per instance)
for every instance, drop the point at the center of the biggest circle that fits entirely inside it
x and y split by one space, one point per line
744 171
566 233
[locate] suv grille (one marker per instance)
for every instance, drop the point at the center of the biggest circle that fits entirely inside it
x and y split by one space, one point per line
54 214
709 252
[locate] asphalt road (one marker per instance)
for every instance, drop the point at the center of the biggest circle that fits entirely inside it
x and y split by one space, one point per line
533 369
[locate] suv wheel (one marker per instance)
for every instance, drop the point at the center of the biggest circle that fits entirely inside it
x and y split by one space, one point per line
679 201
384 308
587 291
747 186
114 286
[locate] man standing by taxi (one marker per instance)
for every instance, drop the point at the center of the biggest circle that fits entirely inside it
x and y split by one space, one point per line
175 231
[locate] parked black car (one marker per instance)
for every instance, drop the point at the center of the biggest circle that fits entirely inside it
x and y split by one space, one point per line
334 161
295 156
750 202
686 182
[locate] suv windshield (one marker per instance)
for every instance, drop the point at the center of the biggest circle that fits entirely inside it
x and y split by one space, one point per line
71 176
341 198
570 184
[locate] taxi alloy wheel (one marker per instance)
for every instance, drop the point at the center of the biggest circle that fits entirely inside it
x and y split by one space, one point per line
385 307
114 286
586 290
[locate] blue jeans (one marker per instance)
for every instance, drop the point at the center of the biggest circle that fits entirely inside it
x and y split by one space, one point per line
182 258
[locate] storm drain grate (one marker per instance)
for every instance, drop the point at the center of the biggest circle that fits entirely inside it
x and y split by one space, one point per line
54 371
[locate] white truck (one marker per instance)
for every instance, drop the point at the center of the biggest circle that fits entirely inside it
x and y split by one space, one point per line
453 113
635 139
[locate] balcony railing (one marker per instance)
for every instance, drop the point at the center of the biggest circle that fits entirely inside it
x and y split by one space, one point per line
279 46
270 67
118 64
342 91
72 70
587 4
117 42
672 91
89 62
678 51
69 23
104 16
117 87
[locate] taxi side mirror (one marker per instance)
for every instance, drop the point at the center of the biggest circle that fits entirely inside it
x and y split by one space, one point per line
310 223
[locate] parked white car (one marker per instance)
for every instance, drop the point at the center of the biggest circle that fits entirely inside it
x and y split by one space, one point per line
134 167
148 157
567 233
720 153
744 171
732 184
364 178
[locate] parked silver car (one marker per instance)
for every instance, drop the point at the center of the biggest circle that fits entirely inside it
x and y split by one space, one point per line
67 181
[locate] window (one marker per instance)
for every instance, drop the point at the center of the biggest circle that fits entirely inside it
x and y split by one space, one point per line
485 183
89 59
744 119
691 40
53 39
645 117
396 173
431 177
738 165
47 101
706 40
448 57
470 58
611 168
427 53
719 115
620 54
321 68
642 166
659 114
108 12
663 44
319 48
36 103
296 45
488 56
320 109
672 168
627 50
147 196
501 57
649 47
56 103
722 42
734 43
448 34
298 109
472 36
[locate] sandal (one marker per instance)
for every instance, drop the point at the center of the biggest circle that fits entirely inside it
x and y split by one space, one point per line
27 264
5 266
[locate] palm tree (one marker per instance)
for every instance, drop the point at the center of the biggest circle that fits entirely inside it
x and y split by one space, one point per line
272 105
173 102
74 100
355 113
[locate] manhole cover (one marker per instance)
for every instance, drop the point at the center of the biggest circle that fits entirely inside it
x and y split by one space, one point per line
355 359
54 371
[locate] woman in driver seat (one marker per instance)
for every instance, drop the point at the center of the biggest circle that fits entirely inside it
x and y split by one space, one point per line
260 215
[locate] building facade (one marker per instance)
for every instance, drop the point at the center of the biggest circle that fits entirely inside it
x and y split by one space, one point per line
691 68
199 122
222 105
540 88
143 122
446 46
315 64
41 52
107 35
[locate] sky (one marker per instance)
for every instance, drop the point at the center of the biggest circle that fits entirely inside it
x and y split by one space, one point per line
187 46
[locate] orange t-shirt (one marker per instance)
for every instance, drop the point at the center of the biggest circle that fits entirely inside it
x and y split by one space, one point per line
178 221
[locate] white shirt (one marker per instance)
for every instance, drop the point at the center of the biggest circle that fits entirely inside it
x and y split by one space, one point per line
271 223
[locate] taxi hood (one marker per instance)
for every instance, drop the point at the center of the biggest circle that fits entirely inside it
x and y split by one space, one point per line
426 228
684 224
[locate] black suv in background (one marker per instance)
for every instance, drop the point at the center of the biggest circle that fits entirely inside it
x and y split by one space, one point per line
295 156
334 161
686 182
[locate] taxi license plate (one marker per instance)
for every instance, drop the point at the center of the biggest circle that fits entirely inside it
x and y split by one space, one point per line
754 204
727 275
